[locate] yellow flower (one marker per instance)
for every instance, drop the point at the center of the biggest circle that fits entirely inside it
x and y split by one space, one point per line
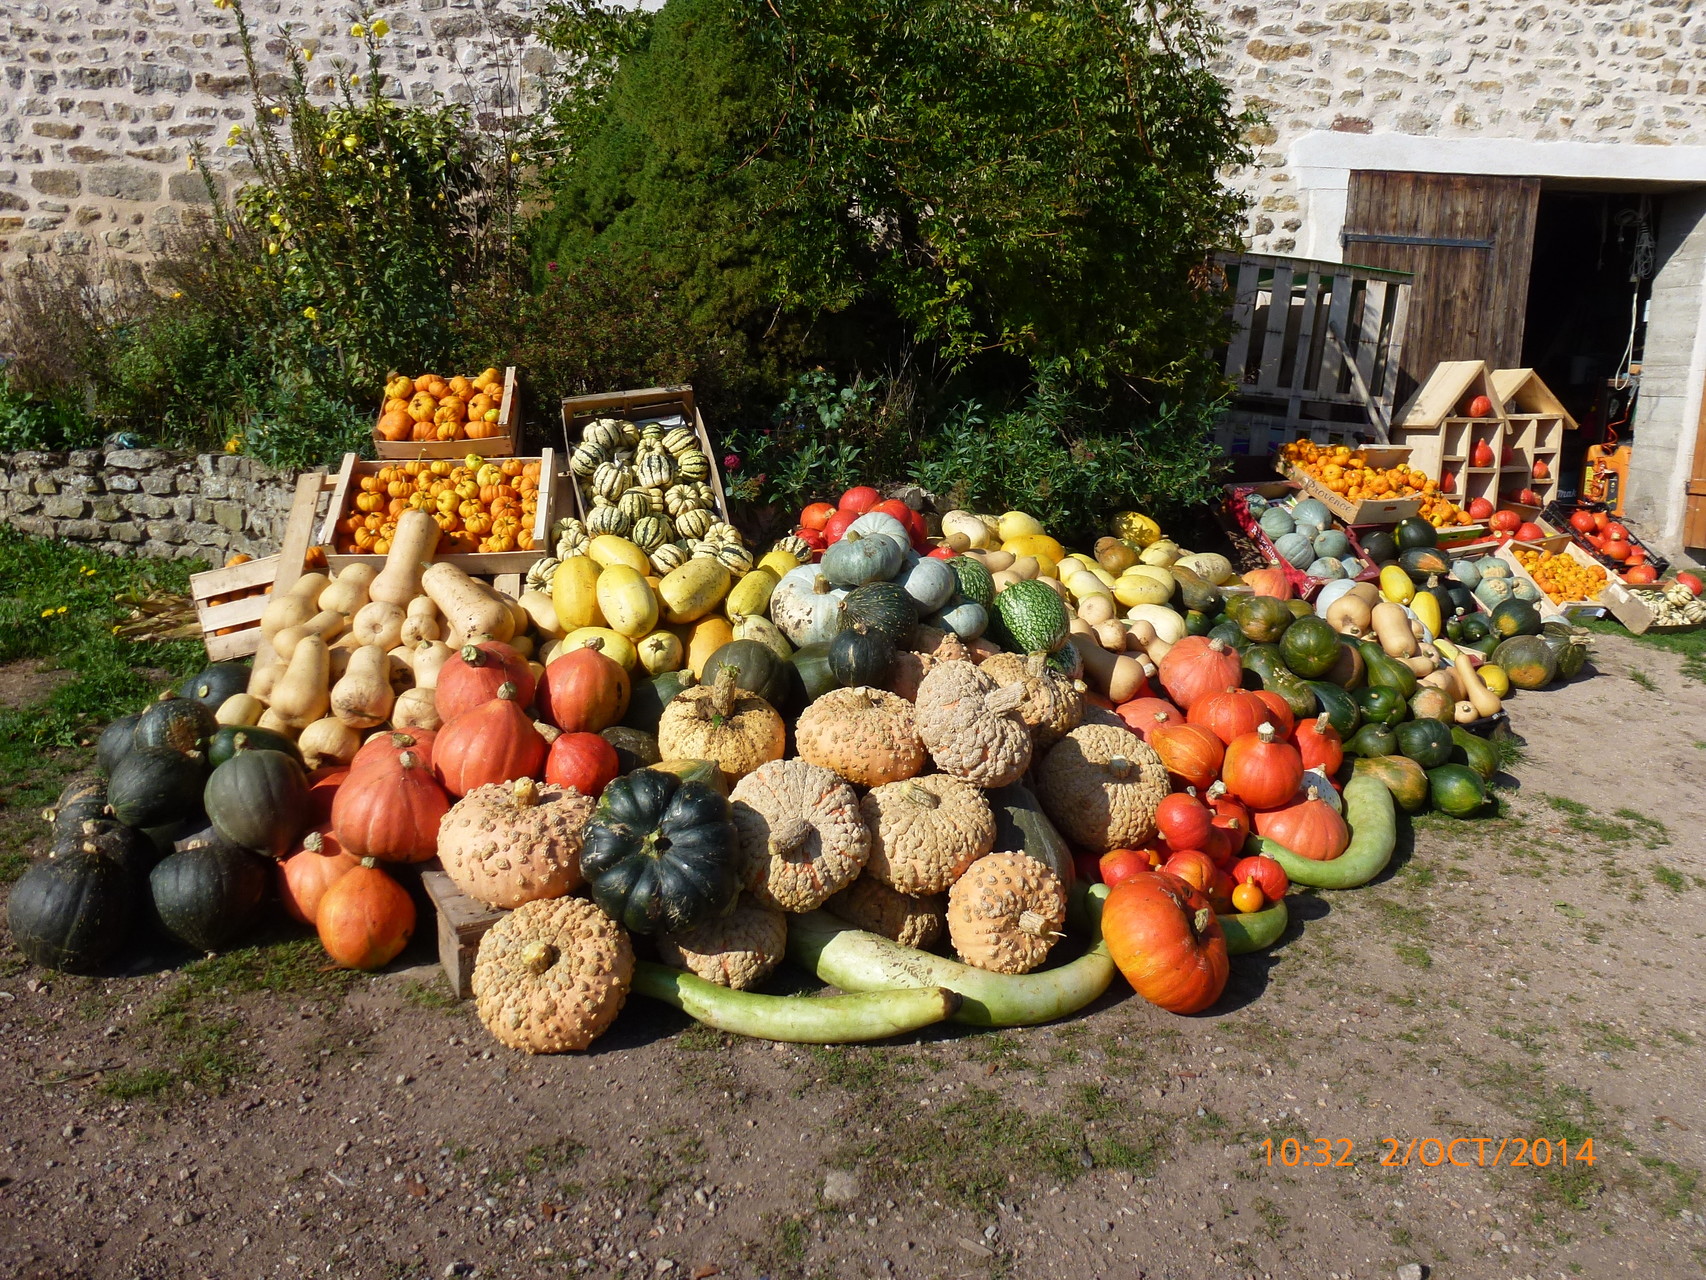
351 142
515 157
358 31
308 53
48 613
382 28
311 313
63 609
177 293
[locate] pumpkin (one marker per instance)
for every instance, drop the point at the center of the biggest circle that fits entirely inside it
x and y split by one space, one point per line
971 725
213 684
207 896
115 743
661 853
585 761
802 836
871 905
1319 745
884 607
737 951
1229 714
861 654
258 800
758 669
1143 715
1184 821
1006 913
183 724
391 808
151 786
1528 661
471 676
492 743
388 748
859 558
71 911
584 691
1263 872
1280 714
1261 770
305 875
1197 667
930 583
1270 581
806 606
737 730
868 736
1308 826
925 832
83 799
508 843
323 787
1192 754
1163 936
1101 785
225 741
1053 702
365 919
552 975
1202 873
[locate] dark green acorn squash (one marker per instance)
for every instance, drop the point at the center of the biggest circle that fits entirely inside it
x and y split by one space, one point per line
885 607
1403 777
1457 789
1229 633
861 655
1264 619
115 743
1022 827
1372 741
757 669
182 724
1379 546
130 848
82 799
1528 661
258 800
661 855
156 785
223 744
1310 647
1567 647
1475 627
976 584
1422 563
648 698
1267 665
1300 608
1462 599
71 911
207 897
1475 751
635 748
215 683
1514 618
1427 742
1197 623
1381 705
1414 533
1339 707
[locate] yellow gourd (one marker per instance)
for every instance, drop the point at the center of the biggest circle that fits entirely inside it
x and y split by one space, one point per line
301 695
1494 677
1428 612
363 697
779 562
608 549
1395 585
704 638
612 644
659 652
1035 544
692 590
1133 588
574 594
627 602
412 547
752 593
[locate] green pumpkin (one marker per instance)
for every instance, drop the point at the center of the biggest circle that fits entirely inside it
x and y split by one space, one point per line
813 677
1374 739
1467 572
1310 647
1300 608
1192 591
648 698
1427 742
1033 616
965 618
208 896
1431 703
82 799
183 724
258 800
215 683
1457 789
1311 511
1413 533
1528 661
1514 618
860 558
976 584
1296 548
71 911
885 607
1264 619
1387 672
1266 663
660 854
115 743
1567 648
156 785
757 669
861 655
1475 627
1067 660
1461 597
1229 633
1403 777
1023 827
1475 751
1276 522
1332 544
226 739
1493 591
1379 546
635 749
1197 623
1422 563
1526 591
1380 704
1339 707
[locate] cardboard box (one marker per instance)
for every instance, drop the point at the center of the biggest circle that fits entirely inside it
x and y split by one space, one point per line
501 445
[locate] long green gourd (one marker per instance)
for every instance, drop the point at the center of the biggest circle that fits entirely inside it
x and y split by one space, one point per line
796 1019
1373 821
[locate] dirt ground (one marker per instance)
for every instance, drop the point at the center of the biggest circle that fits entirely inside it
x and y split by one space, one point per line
1524 983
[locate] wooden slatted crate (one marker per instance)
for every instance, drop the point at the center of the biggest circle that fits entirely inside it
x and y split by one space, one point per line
1368 510
669 405
462 922
502 445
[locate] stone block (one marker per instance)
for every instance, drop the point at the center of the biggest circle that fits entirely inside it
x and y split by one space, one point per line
124 182
185 483
11 201
82 530
83 459
183 508
201 510
59 130
122 483
89 155
157 482
138 459
65 506
216 486
228 515
56 182
106 510
171 531
35 526
22 502
44 484
125 532
151 507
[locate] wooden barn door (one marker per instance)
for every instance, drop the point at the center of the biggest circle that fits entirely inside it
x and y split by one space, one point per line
1468 240
1694 513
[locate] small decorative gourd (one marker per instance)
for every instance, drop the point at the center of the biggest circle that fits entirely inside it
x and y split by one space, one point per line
868 736
552 975
926 831
722 723
801 834
972 726
1006 913
1053 705
1101 785
508 843
871 905
738 950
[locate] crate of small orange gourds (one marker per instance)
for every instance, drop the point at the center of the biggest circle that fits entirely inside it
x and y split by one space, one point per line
431 416
492 513
1370 485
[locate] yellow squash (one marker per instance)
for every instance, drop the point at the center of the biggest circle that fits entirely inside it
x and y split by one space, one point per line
627 601
705 637
778 561
694 589
1135 528
612 644
1396 586
607 549
1428 612
574 593
752 593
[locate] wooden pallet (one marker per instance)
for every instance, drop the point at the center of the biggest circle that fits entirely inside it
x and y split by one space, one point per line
502 445
274 572
648 404
462 922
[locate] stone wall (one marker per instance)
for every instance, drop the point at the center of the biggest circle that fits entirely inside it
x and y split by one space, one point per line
148 502
1608 71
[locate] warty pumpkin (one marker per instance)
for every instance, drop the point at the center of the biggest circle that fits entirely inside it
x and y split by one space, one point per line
971 726
1053 702
868 736
738 950
552 975
871 905
1006 913
508 843
802 837
1101 786
925 832
737 730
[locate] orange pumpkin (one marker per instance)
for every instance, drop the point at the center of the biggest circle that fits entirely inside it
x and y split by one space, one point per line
366 918
390 810
303 878
1163 936
1270 582
495 742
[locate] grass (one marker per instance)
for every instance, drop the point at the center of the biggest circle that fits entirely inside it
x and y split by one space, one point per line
1644 680
1624 826
1691 645
1555 1111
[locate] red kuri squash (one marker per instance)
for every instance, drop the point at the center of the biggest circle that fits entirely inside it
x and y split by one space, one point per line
366 918
471 677
1265 873
305 875
390 810
584 692
385 747
1141 714
1191 753
323 786
1261 770
1318 745
1229 714
1270 581
1184 821
583 761
495 742
1280 714
1121 864
1308 826
1197 667
1164 938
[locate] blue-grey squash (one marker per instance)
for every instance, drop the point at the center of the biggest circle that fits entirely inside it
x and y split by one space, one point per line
1297 550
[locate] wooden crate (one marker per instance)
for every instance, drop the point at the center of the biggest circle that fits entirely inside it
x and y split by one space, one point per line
462 922
274 572
502 445
1368 510
484 563
1550 611
669 405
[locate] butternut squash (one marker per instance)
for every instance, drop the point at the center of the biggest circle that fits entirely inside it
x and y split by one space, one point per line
416 709
1110 636
1098 608
240 708
1350 615
402 668
574 594
412 548
469 610
348 591
1118 677
301 695
1475 690
421 621
379 623
328 741
1392 629
542 611
363 697
327 624
270 720
266 671
337 659
295 606
425 660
